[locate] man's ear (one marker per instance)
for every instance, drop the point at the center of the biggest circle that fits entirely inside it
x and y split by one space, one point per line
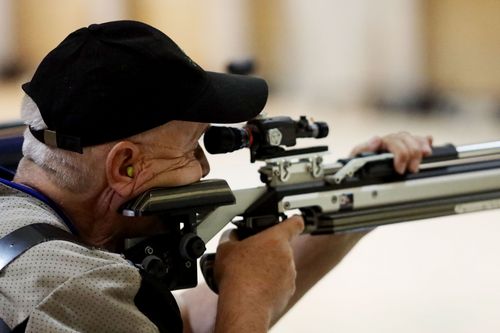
122 167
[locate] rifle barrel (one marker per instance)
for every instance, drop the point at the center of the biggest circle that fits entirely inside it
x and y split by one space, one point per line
479 149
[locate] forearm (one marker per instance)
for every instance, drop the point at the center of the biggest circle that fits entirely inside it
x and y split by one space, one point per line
315 256
239 313
203 311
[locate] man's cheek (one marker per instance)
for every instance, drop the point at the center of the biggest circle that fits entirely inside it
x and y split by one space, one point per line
190 173
202 159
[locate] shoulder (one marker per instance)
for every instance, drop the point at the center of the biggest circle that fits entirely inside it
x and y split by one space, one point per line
60 284
18 209
38 274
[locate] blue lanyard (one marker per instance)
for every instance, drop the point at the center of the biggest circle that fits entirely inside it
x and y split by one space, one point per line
46 200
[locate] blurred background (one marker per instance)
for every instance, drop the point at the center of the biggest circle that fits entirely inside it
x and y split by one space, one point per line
366 67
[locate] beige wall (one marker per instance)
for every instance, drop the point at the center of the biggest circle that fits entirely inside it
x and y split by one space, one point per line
42 25
464 45
332 48
216 32
338 51
7 33
212 33
181 20
269 39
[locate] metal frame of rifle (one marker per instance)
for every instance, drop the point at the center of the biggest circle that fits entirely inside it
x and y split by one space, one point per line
364 192
350 195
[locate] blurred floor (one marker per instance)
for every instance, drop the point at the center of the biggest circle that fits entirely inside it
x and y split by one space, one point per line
438 275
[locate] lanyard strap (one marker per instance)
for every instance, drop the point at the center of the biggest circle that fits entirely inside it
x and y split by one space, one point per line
20 240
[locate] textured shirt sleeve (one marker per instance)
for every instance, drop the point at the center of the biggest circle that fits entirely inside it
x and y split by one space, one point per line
99 300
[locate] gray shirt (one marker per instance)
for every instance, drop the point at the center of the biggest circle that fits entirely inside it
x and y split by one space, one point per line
62 286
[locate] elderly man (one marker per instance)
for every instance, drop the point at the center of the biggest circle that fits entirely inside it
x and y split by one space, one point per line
112 111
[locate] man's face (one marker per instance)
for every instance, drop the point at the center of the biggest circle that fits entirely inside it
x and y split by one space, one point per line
172 156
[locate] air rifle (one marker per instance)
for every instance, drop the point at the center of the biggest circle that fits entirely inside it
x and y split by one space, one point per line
349 195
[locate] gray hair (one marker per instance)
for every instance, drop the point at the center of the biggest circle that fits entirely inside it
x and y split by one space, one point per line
68 170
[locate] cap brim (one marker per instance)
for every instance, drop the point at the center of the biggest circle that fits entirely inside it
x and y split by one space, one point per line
229 98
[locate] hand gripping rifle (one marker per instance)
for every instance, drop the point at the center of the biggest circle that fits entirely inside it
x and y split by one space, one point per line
350 195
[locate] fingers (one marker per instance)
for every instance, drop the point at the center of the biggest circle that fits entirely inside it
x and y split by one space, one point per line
398 147
253 266
286 230
408 149
369 146
430 139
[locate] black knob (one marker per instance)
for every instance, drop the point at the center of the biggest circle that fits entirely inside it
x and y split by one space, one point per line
154 266
191 246
322 129
243 67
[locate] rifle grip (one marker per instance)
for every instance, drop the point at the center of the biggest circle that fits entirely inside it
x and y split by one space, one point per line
207 262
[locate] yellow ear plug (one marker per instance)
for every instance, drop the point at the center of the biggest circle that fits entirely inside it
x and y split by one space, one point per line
130 171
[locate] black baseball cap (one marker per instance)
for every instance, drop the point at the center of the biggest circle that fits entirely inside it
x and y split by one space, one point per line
112 80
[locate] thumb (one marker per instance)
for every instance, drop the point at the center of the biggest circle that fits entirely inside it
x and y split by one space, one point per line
229 235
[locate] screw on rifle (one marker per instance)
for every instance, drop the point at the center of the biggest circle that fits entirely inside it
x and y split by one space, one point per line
148 250
374 194
286 205
188 264
334 199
